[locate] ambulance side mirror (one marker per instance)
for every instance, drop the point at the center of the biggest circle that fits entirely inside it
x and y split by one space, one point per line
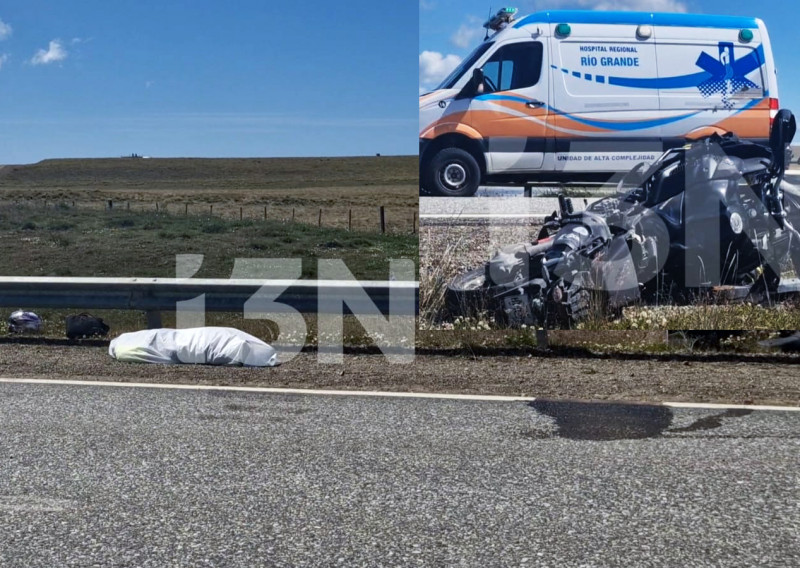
474 86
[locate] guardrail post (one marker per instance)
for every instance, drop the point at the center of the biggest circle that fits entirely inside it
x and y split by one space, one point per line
528 191
153 319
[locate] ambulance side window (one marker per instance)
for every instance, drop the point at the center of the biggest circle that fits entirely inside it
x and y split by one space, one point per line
514 66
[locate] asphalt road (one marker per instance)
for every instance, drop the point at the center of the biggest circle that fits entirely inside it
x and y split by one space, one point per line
464 210
508 202
111 476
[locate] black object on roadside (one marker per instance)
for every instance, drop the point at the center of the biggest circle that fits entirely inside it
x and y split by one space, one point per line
787 342
85 325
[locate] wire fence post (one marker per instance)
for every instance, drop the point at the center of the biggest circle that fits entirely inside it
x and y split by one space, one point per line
349 219
319 219
383 220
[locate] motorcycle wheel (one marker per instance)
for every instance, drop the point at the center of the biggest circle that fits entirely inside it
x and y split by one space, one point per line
580 303
466 294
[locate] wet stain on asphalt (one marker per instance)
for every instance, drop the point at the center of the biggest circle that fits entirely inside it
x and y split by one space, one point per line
712 422
605 421
597 421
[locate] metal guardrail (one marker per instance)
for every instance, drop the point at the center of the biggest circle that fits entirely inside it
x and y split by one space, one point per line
222 295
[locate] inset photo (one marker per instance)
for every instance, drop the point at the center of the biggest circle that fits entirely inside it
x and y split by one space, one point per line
599 170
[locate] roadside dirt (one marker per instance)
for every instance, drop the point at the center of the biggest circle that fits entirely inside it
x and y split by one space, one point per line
578 378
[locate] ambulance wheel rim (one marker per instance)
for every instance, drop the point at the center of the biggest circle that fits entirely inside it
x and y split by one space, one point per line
454 175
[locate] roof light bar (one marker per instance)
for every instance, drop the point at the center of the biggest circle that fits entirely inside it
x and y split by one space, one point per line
501 19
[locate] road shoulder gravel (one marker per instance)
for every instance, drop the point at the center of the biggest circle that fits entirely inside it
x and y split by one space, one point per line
640 379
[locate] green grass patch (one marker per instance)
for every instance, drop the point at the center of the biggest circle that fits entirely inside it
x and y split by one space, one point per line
80 242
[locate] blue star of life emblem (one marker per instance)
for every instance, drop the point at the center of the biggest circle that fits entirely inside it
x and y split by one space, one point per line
728 75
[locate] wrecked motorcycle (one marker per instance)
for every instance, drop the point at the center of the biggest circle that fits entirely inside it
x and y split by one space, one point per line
710 218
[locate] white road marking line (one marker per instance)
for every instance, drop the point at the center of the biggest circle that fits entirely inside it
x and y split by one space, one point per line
387 394
713 406
272 390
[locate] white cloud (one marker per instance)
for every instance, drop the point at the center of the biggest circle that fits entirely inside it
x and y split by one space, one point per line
3 59
434 67
54 52
468 34
427 4
5 30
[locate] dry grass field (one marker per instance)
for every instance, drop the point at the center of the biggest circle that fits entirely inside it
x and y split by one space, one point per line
55 217
63 241
211 173
348 191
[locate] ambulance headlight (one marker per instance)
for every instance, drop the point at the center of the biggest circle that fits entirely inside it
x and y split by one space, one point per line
737 223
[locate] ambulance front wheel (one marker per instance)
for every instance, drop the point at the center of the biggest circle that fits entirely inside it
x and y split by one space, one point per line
453 172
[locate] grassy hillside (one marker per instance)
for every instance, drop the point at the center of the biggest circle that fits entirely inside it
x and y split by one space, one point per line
213 173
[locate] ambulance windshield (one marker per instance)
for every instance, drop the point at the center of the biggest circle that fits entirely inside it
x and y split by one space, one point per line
453 78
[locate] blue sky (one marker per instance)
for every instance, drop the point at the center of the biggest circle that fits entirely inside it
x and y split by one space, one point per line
449 29
87 78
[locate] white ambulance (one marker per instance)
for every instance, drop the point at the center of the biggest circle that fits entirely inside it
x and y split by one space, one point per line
561 94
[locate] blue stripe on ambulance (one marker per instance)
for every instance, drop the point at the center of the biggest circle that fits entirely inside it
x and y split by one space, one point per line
609 125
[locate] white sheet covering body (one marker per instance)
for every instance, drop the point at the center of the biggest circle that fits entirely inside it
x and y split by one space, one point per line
199 345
